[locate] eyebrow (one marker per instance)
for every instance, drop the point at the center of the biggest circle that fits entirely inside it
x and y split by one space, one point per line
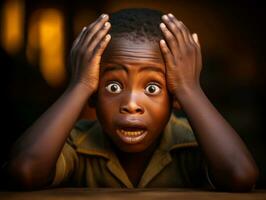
151 68
121 67
114 68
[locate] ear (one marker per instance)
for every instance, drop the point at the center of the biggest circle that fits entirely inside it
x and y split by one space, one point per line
89 110
93 100
176 104
88 113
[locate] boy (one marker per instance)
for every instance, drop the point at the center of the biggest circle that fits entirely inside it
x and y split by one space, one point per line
133 80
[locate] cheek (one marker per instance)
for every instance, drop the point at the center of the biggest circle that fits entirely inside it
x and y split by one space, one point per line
160 109
160 104
106 108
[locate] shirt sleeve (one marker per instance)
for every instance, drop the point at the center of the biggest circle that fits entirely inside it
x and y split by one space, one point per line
208 177
66 164
196 168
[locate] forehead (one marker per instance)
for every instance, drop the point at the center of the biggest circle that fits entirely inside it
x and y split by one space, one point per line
125 52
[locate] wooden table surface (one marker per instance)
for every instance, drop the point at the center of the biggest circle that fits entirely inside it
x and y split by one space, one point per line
130 194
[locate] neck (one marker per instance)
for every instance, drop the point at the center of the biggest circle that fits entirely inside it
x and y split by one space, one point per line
139 157
135 163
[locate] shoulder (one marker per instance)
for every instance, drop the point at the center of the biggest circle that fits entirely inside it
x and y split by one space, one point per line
182 133
87 138
81 131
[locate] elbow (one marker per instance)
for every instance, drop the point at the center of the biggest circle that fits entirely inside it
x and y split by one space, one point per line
21 176
244 181
241 179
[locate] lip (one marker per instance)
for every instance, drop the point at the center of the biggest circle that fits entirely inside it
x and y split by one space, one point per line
131 131
132 137
130 122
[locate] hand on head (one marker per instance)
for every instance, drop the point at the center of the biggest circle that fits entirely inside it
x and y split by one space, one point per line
180 49
87 50
182 55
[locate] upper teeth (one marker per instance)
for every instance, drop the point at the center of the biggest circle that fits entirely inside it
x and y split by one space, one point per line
131 133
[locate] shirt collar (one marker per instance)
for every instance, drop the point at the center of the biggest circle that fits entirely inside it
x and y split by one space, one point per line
177 134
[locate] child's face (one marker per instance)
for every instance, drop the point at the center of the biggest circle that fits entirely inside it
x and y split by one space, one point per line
133 104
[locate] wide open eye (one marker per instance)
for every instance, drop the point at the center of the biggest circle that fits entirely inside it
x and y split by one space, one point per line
152 89
113 87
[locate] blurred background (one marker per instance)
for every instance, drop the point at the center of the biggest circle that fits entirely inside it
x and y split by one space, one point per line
36 37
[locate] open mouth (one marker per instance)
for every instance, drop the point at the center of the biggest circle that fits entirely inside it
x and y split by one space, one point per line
131 135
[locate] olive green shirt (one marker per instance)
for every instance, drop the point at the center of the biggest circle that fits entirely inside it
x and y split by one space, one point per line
87 160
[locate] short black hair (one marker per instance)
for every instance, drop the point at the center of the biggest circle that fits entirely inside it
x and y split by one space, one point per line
136 24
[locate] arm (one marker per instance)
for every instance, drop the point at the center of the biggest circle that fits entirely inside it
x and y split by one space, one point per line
230 163
34 155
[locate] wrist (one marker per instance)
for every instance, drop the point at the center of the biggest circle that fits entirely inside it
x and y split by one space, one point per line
82 87
187 91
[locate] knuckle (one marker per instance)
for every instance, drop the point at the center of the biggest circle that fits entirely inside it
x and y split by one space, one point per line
101 45
173 26
91 25
166 50
98 35
178 32
170 35
190 50
89 51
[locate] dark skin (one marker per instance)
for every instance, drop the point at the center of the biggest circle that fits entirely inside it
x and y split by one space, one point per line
139 97
230 164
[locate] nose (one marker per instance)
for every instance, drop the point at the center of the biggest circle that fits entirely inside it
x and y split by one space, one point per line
130 104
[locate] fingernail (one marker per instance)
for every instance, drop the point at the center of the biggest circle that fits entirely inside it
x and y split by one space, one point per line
162 41
106 24
108 36
171 15
195 36
162 25
104 15
84 28
165 17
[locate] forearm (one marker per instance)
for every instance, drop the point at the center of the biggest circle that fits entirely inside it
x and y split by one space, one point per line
227 156
36 152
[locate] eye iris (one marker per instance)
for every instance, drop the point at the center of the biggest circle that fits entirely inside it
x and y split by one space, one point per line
114 88
152 89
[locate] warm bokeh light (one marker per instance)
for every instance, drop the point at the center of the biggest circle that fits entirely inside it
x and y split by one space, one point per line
46 40
51 37
12 26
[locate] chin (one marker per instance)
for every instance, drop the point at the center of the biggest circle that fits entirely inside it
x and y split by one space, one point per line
131 148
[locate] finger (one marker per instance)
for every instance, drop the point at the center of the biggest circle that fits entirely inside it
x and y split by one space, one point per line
199 58
90 26
185 32
181 37
187 44
98 51
79 36
170 39
88 31
175 29
183 29
98 36
94 29
77 42
75 45
167 55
